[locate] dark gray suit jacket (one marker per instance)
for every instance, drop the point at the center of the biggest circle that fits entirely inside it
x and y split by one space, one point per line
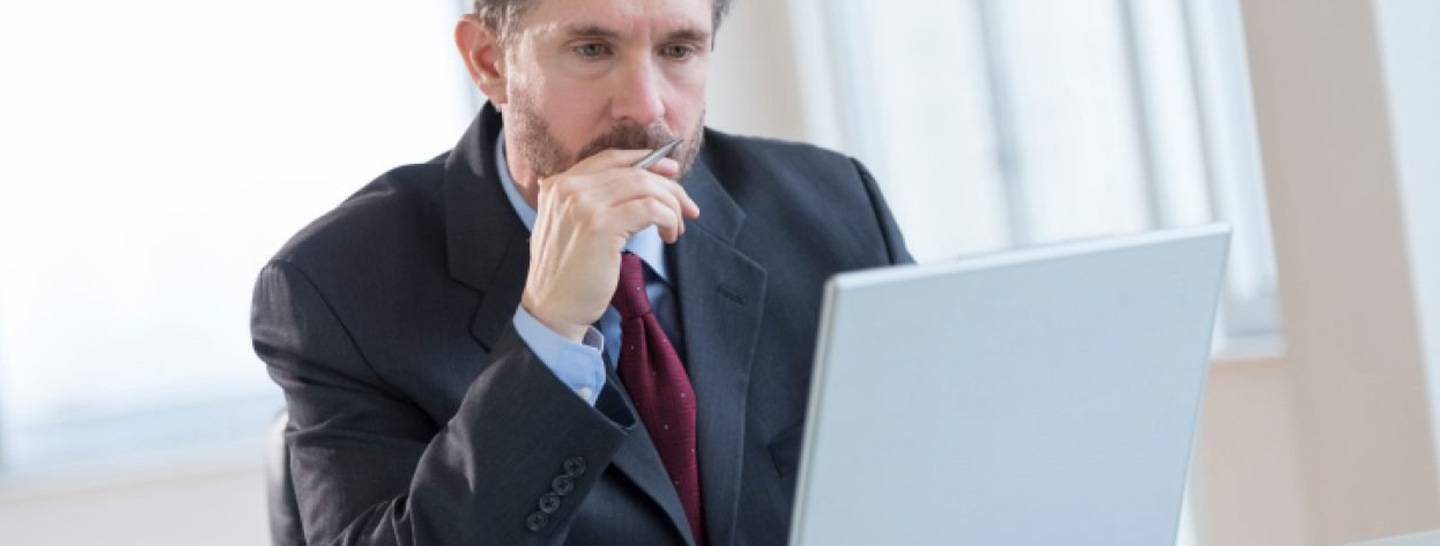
419 417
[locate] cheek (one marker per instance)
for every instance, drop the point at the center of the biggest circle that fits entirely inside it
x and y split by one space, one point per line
686 104
570 111
556 89
689 78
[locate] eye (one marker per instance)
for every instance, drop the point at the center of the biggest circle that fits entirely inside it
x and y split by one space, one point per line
678 52
592 50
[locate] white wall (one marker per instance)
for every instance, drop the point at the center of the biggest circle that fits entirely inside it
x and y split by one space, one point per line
753 85
1331 441
1410 48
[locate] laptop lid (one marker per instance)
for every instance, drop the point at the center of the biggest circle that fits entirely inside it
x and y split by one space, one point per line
1040 396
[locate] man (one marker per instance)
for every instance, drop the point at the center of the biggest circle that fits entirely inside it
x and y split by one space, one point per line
529 340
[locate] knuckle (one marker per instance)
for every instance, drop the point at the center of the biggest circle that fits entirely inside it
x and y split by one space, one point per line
655 185
634 185
568 204
565 185
659 211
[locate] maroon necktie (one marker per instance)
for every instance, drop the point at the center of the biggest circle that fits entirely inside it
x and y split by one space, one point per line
661 389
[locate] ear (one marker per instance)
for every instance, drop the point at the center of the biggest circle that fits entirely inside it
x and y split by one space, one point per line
483 56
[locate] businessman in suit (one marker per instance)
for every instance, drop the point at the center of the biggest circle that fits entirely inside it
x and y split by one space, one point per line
528 340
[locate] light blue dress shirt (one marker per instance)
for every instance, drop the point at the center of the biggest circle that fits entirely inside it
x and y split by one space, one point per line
579 365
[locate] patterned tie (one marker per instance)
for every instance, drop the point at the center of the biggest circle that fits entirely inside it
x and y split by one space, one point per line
656 380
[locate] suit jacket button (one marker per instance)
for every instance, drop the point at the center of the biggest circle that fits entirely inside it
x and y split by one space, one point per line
575 467
562 485
536 521
549 503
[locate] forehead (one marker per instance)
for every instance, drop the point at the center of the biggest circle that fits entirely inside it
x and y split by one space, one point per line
553 17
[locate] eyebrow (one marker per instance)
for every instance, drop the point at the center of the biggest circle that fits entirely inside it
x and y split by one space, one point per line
591 31
597 31
688 35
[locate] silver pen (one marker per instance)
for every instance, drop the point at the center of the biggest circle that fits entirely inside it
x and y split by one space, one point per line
659 153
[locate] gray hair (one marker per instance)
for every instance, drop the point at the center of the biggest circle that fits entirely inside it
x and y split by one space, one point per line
499 15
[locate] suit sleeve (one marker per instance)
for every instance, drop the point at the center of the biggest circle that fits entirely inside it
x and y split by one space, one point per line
894 241
369 468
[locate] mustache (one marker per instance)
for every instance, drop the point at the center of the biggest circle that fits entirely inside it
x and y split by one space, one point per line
629 136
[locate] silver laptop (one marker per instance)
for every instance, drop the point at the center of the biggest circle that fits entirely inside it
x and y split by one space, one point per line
1035 397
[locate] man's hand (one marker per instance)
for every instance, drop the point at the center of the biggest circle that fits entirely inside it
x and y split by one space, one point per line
584 216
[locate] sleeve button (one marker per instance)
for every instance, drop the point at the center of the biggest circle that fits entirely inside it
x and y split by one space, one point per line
536 521
562 485
549 503
575 467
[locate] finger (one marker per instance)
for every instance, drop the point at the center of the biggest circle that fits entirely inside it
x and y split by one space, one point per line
626 185
660 188
688 207
668 168
676 197
611 158
635 215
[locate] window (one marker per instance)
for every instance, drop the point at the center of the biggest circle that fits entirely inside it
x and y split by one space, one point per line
999 123
156 153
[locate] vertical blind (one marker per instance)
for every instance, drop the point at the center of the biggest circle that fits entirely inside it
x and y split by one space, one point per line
1001 123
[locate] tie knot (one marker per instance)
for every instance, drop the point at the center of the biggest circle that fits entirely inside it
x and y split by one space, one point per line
630 299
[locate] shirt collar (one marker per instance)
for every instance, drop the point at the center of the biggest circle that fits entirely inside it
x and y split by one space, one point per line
646 244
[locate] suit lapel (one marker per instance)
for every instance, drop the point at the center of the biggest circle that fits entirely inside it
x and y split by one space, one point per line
721 296
486 243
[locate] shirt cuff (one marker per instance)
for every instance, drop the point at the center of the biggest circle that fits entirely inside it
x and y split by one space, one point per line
577 365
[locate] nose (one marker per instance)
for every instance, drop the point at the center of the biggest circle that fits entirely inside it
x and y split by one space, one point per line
638 97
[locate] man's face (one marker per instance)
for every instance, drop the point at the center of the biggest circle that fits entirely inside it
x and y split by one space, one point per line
587 75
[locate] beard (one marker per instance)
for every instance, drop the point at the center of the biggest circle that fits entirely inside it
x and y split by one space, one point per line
547 157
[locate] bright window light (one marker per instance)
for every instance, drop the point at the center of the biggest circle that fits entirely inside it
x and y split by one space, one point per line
155 154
